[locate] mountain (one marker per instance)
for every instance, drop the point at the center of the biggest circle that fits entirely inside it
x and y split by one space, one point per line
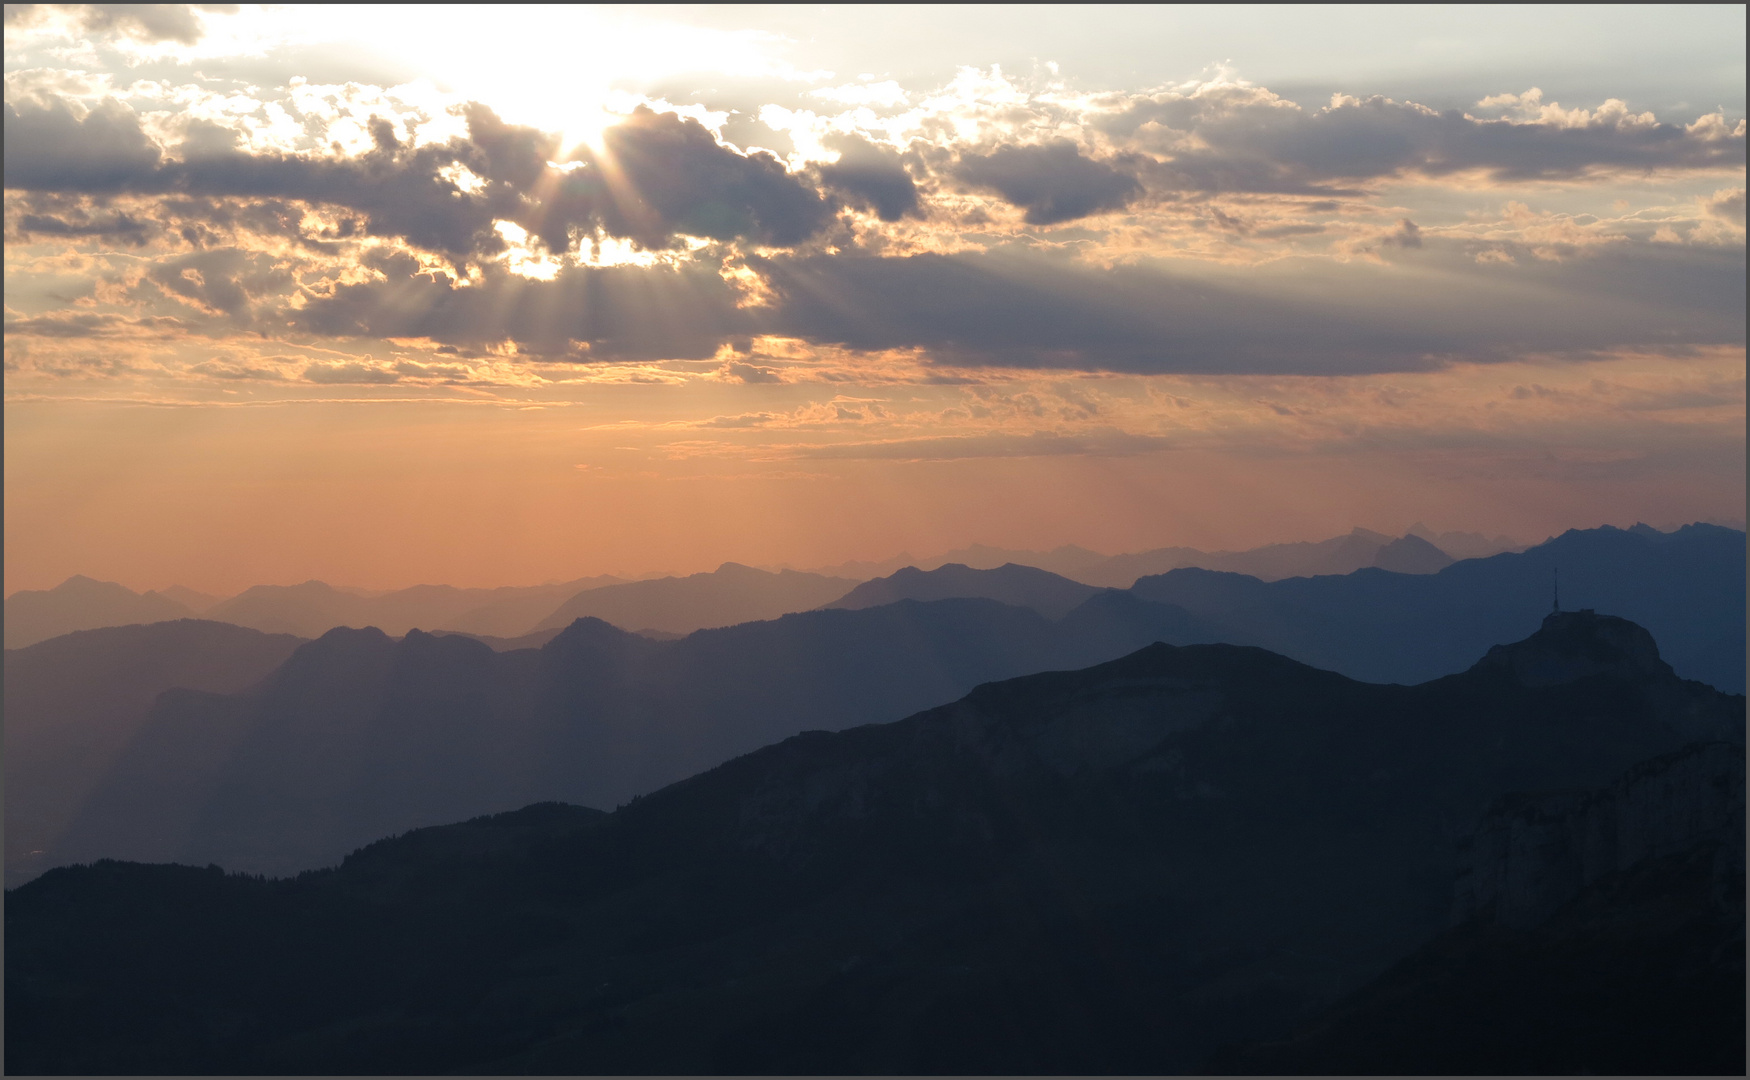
196 602
1338 555
74 702
504 644
1686 586
358 736
1465 545
80 603
679 605
1067 560
315 607
1598 933
1022 586
1411 554
1113 870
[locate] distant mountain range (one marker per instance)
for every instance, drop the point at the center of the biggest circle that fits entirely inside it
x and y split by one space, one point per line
1419 551
74 703
80 603
679 605
360 735
357 735
1687 587
1023 586
673 605
1131 868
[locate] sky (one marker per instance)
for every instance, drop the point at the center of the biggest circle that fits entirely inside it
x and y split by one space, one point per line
495 296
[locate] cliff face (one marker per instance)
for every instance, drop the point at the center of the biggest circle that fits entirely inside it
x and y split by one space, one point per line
1599 933
1533 854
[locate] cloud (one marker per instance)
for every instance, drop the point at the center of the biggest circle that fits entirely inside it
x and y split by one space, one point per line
1316 317
871 176
1052 183
606 313
659 176
674 177
51 147
336 374
748 373
1226 137
149 23
1727 204
1099 442
90 324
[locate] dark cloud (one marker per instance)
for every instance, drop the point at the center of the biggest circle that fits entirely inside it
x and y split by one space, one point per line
1243 139
1008 310
611 313
659 175
228 281
1406 235
1053 182
77 222
748 373
1726 204
677 179
89 324
871 176
48 147
141 22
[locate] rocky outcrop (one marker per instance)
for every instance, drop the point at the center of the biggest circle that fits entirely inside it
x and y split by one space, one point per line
1571 645
1532 854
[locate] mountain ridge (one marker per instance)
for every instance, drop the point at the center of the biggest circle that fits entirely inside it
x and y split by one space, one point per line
1122 867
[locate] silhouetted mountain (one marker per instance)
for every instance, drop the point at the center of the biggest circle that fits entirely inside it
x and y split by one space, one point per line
358 736
1338 555
1114 870
1411 555
1067 561
1465 545
1599 933
80 603
504 644
73 702
196 602
314 608
679 605
1687 587
1022 586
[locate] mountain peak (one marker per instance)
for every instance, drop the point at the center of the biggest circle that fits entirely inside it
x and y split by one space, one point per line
1573 645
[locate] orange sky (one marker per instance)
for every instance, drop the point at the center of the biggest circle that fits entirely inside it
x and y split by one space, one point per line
763 293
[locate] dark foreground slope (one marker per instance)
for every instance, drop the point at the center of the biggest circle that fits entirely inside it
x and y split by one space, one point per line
1597 933
73 703
1120 869
359 736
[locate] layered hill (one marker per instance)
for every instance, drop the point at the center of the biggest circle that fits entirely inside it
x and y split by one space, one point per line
1687 587
679 605
315 607
1022 586
1113 870
73 703
81 603
358 735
